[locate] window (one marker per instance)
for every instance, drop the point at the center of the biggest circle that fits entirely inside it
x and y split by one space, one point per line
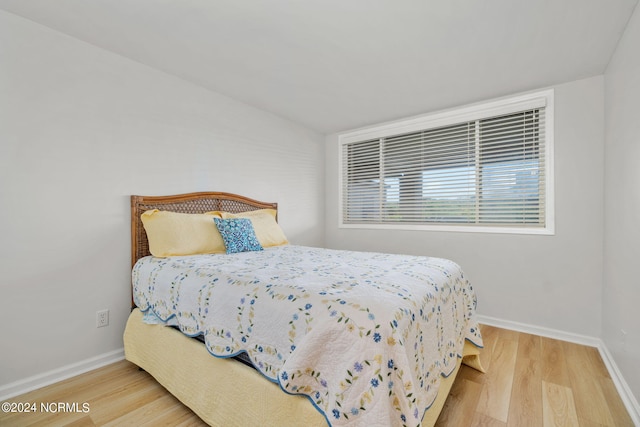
486 168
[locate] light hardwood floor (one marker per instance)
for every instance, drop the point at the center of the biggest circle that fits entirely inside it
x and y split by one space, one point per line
534 381
530 381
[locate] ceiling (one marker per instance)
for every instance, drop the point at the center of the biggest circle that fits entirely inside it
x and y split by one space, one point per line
335 65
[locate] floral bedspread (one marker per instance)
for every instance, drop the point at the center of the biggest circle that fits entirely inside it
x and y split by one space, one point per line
366 336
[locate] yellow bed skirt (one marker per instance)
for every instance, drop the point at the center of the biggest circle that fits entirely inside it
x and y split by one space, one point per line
228 393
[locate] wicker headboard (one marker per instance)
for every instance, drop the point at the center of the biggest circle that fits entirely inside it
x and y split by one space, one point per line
184 203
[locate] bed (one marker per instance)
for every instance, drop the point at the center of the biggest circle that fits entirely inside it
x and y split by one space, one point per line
348 343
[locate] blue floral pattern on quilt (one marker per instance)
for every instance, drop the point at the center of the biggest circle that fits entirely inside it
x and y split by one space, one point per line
367 337
238 235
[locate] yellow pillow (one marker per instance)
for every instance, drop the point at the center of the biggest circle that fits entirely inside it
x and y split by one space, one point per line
172 233
264 224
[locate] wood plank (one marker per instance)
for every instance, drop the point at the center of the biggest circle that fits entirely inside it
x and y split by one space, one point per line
496 392
526 397
490 337
558 406
189 422
529 347
161 411
591 404
554 362
109 407
482 420
588 423
617 409
85 421
507 334
596 362
461 404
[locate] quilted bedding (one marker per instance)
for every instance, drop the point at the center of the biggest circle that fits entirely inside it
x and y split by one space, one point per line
366 336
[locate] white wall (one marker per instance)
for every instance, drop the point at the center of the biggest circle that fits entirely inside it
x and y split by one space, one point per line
80 130
548 281
621 295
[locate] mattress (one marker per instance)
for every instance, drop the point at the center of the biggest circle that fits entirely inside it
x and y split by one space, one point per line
366 337
224 392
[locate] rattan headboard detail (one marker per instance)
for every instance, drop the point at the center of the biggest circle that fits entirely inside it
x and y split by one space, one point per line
185 203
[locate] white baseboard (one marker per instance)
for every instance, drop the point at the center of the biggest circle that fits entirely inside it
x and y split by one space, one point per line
629 400
541 331
17 388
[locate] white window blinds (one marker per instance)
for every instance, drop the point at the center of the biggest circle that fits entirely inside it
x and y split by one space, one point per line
489 171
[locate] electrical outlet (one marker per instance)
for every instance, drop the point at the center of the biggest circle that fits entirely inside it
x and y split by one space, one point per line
102 318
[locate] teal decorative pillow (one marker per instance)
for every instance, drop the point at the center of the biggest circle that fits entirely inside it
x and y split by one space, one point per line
238 235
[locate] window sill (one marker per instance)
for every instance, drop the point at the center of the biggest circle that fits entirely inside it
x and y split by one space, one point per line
544 231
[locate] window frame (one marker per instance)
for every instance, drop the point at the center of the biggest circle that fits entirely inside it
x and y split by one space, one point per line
507 105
